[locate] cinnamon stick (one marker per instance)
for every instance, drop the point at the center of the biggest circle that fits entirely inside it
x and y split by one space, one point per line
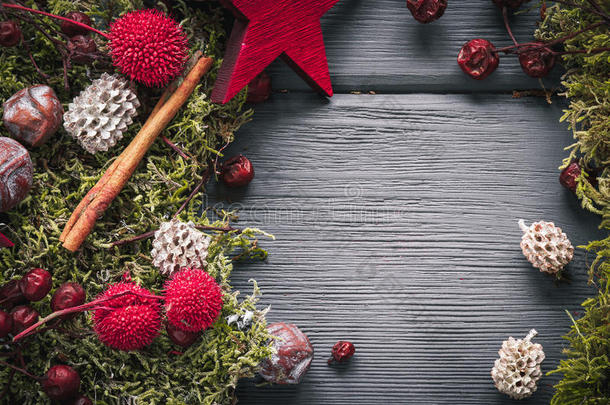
99 198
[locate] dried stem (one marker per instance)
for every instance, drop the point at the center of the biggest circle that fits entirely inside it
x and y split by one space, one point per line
175 147
204 179
507 25
21 370
591 51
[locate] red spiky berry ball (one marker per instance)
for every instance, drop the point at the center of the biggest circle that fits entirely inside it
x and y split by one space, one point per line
61 383
148 46
193 300
127 322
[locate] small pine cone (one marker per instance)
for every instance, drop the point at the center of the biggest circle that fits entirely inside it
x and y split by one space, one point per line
546 246
178 245
100 114
517 370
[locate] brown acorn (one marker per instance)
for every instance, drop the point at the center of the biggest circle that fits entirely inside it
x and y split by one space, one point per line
33 114
15 173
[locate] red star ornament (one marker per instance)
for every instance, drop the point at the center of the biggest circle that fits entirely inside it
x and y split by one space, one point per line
266 29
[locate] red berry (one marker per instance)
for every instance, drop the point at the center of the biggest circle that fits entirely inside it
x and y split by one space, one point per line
10 33
11 295
237 171
61 383
72 29
6 323
509 3
426 11
181 337
537 60
478 58
81 400
68 295
23 316
342 351
259 89
36 284
82 49
569 175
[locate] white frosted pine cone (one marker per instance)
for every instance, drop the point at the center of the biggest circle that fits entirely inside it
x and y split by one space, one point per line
178 245
100 114
517 371
546 246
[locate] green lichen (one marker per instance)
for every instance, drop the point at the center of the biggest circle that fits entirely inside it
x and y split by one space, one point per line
205 373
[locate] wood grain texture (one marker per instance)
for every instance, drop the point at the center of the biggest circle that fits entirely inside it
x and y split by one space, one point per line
396 225
377 45
266 29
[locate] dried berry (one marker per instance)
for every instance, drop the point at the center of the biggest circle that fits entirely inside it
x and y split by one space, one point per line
24 316
36 284
80 400
82 49
33 114
537 60
569 176
259 89
293 356
510 3
426 11
68 295
6 323
11 295
342 351
10 33
71 29
16 173
478 58
237 171
181 337
61 383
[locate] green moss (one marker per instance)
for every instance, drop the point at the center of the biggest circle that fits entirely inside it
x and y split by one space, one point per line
208 371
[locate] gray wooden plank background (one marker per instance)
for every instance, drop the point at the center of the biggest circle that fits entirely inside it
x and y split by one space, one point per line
396 214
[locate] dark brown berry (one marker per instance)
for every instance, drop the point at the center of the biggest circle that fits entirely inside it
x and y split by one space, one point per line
342 351
569 176
6 323
11 295
23 316
68 295
80 400
36 284
71 29
82 49
537 60
61 383
237 171
426 11
259 89
10 33
181 337
478 58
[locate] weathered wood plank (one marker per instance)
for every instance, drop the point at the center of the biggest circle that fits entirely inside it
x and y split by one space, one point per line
396 225
377 45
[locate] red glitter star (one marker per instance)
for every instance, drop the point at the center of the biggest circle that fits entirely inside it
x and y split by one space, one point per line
266 29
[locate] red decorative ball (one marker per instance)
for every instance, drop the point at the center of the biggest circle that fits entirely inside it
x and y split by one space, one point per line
537 60
132 323
237 171
10 33
36 284
72 29
426 11
193 300
68 295
23 316
569 176
148 46
61 383
259 89
181 337
6 323
342 351
478 58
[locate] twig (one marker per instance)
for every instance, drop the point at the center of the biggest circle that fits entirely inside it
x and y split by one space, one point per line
507 25
204 179
216 171
591 51
21 370
175 147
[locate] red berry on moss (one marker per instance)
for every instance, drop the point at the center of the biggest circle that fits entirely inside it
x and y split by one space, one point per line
426 11
71 29
68 295
342 351
259 89
10 33
6 323
23 316
181 337
36 284
61 383
11 295
237 171
537 60
569 176
478 58
82 49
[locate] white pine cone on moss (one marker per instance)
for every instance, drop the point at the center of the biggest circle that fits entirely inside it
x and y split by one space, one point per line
178 245
517 371
100 114
545 246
